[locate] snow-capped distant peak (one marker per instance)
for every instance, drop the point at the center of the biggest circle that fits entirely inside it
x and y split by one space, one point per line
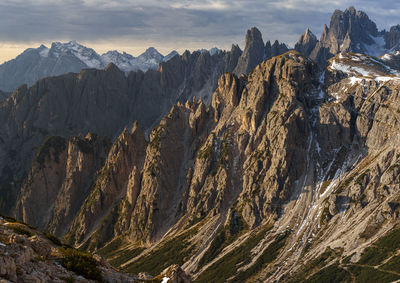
150 59
214 50
151 53
170 55
86 55
124 61
43 51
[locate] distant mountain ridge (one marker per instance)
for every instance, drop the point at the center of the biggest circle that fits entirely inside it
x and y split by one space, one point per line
348 31
36 63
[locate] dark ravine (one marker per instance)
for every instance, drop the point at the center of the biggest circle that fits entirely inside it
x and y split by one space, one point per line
289 172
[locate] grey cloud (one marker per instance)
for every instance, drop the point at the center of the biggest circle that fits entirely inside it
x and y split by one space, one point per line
219 22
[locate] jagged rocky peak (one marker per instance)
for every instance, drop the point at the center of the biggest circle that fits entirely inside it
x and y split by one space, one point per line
253 52
352 31
354 23
349 31
306 42
228 93
111 67
151 53
275 49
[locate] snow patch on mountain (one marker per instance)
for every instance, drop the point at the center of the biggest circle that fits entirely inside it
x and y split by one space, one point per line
87 55
150 59
43 51
359 66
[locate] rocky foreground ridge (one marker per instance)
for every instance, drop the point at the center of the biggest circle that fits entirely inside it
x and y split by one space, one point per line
289 174
27 255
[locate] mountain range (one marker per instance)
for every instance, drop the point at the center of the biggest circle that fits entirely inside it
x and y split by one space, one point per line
266 164
36 63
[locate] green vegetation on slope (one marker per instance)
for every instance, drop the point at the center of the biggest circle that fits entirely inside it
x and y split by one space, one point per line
81 263
227 266
173 251
227 235
369 268
331 274
269 255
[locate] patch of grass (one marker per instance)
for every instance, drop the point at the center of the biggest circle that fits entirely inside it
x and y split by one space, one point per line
227 266
81 263
325 185
217 245
382 249
173 251
56 143
392 265
125 255
225 237
369 274
331 274
347 259
111 248
391 240
373 256
268 256
314 266
205 152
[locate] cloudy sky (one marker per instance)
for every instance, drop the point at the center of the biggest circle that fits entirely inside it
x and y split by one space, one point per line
132 25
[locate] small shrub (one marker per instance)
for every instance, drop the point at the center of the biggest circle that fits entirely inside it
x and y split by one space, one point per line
19 229
8 218
81 263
